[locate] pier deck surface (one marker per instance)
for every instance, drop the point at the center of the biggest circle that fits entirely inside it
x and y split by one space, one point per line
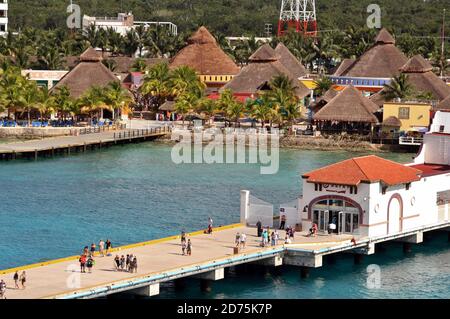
50 280
66 141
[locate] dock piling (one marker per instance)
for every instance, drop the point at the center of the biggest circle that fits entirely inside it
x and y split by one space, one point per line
205 285
304 272
407 248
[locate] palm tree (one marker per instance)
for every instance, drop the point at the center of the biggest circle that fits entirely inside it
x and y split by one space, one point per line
157 83
93 101
118 98
184 79
50 58
130 43
398 88
322 85
139 65
63 102
142 36
185 104
207 107
11 90
29 98
260 109
235 111
46 102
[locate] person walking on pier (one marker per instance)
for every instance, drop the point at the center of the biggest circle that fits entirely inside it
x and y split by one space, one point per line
93 248
83 260
122 263
23 279
90 263
16 280
283 222
2 289
117 262
189 247
243 240
134 265
259 228
183 237
237 240
108 247
183 247
101 247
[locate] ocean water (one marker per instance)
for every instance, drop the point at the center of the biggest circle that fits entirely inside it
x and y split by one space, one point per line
53 207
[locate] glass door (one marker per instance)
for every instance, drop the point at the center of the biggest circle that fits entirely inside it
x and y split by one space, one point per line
348 223
341 227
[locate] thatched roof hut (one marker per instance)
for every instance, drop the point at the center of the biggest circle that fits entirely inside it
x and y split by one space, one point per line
290 61
348 106
324 99
205 56
382 60
421 77
263 66
444 105
343 66
89 72
168 106
392 121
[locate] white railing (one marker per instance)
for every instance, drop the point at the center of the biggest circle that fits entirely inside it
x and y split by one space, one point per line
410 140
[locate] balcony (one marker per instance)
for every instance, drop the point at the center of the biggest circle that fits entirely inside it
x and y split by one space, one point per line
411 141
4 6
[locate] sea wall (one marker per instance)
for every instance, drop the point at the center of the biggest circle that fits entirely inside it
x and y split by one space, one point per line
36 132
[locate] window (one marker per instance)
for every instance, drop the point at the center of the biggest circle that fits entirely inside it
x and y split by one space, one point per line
441 129
403 113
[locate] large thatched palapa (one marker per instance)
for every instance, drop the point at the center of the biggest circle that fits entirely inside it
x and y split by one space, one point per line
382 60
290 61
205 56
263 66
348 106
421 77
89 72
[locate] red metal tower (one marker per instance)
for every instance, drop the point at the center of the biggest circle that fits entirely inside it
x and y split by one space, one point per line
298 15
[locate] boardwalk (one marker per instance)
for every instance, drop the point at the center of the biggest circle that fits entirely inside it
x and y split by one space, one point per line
80 142
50 281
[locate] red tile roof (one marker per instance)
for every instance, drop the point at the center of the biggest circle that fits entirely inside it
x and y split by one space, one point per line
369 169
432 169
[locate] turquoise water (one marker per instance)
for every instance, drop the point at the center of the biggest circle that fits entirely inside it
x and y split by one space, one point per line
53 207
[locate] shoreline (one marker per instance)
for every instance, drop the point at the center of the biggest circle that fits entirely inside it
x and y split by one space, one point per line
323 144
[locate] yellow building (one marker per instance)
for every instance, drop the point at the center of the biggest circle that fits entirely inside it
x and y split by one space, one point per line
412 116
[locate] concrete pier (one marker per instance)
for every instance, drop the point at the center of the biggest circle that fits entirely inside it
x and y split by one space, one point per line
160 261
146 291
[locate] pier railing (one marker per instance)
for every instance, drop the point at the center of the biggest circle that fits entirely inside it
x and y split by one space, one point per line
141 133
99 129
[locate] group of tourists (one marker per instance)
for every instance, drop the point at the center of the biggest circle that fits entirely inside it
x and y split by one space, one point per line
128 263
269 236
241 240
186 245
19 283
86 259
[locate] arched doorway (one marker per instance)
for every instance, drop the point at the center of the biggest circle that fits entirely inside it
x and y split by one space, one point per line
343 212
395 215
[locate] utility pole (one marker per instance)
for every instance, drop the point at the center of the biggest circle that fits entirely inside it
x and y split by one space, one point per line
443 45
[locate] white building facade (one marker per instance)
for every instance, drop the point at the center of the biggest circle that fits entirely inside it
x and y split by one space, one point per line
123 23
371 197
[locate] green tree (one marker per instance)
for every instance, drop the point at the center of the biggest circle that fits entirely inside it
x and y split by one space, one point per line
398 88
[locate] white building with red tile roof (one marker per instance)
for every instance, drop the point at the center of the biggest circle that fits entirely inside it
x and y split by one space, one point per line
370 196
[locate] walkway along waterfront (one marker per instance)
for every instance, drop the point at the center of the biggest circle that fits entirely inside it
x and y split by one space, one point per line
79 143
161 260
